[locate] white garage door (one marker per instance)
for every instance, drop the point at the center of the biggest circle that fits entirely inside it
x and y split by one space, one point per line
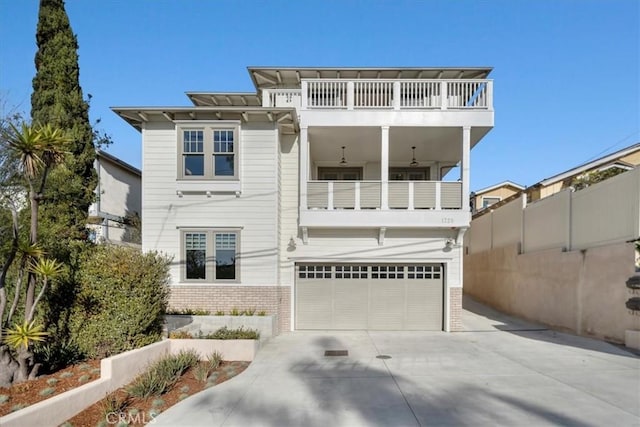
375 297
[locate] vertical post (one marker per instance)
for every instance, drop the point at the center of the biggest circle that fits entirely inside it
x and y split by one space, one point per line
304 167
357 196
444 95
489 90
464 169
304 95
411 204
438 195
350 95
266 98
396 95
330 195
384 168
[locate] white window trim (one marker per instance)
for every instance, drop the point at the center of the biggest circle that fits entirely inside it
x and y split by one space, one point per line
209 173
499 199
210 255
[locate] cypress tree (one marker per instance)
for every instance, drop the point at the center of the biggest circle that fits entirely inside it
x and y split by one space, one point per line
57 100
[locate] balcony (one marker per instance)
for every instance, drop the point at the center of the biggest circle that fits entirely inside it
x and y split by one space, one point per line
341 94
383 204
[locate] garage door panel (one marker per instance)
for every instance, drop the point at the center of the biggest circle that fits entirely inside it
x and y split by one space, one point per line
314 299
424 305
350 304
386 306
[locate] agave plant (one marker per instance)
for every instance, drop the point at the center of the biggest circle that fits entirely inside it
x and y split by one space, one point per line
25 334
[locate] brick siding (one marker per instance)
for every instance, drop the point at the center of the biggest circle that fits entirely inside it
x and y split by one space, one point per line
455 309
275 300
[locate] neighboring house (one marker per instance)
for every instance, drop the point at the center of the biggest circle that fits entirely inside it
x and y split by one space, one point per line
320 197
625 159
113 217
497 195
486 197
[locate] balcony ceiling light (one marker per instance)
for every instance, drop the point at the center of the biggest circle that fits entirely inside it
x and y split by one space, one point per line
413 163
343 162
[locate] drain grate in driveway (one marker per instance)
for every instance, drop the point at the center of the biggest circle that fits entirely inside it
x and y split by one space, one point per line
383 356
336 353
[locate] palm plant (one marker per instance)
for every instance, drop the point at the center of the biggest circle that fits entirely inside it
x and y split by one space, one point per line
23 335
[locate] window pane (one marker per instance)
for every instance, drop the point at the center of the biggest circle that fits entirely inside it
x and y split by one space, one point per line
225 256
196 254
224 164
194 165
193 141
223 141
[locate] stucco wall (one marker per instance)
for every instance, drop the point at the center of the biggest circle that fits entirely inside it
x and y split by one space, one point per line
579 291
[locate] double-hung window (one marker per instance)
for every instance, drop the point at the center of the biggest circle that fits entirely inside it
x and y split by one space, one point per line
208 151
210 255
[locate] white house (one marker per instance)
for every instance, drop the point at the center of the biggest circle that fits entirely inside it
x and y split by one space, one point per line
118 200
320 198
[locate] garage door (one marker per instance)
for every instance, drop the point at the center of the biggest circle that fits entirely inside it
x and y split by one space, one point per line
375 297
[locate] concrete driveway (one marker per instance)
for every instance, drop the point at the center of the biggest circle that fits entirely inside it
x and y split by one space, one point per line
501 371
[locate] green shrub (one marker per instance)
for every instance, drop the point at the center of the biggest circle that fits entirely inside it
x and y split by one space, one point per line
56 355
162 374
249 312
178 334
214 360
83 379
66 374
225 333
3 398
48 391
52 381
121 299
234 312
262 313
220 313
189 311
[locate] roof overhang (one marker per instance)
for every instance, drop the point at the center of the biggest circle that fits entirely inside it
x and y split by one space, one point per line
100 154
598 163
502 184
225 99
290 77
286 118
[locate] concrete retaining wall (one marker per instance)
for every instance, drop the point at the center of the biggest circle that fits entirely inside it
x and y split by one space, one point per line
579 291
117 371
266 325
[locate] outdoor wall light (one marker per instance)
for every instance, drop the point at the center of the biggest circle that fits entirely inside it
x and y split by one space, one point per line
292 244
448 244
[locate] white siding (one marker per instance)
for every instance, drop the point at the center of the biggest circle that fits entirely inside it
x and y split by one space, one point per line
164 213
288 204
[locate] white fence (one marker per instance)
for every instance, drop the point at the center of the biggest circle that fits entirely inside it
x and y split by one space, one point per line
608 212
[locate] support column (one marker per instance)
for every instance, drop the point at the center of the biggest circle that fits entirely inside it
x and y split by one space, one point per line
464 169
384 168
304 167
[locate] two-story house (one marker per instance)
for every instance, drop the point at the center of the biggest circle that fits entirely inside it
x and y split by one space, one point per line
321 197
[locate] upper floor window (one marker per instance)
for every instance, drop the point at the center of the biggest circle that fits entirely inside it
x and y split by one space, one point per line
208 152
488 201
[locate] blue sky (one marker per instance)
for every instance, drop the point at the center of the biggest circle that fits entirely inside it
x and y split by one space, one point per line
566 72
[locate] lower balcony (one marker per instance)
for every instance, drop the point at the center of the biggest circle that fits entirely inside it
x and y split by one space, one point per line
384 204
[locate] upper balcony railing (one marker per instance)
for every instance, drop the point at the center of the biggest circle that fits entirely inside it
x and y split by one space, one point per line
359 195
384 94
397 94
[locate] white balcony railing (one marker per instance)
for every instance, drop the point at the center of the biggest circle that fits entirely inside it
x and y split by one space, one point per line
384 94
359 195
281 98
397 94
